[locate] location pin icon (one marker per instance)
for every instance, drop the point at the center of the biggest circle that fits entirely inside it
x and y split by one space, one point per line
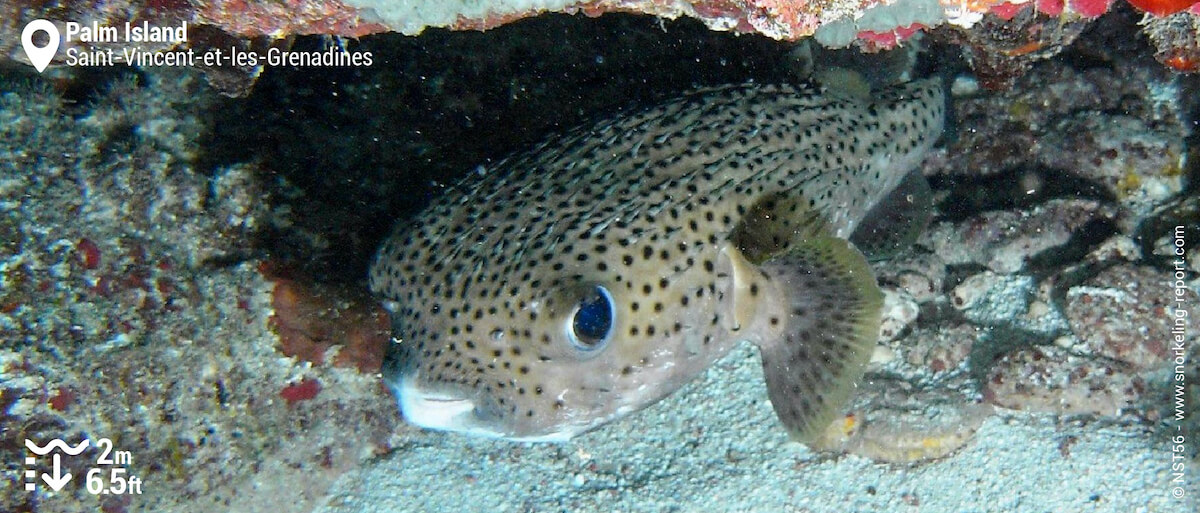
40 57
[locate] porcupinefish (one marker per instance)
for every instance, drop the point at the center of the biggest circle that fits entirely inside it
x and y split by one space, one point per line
592 276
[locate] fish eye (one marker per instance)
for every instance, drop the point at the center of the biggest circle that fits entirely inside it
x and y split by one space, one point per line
592 322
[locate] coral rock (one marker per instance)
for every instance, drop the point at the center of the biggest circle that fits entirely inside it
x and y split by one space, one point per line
1048 379
1138 337
1007 241
940 350
991 299
1177 38
1002 50
899 310
1002 45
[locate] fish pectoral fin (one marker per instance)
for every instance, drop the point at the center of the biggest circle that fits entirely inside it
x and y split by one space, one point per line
815 350
817 322
774 224
895 223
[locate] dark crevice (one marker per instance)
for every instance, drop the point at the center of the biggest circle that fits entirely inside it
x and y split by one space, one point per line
997 341
1183 212
957 273
1083 240
1016 188
351 151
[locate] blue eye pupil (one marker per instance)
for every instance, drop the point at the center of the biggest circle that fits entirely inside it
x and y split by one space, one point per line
593 319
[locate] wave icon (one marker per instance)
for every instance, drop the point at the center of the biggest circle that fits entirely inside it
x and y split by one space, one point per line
56 443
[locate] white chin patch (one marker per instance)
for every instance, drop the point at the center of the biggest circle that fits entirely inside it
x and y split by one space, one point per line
433 411
448 413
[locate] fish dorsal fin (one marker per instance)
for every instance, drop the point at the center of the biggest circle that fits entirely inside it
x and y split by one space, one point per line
844 82
895 223
813 305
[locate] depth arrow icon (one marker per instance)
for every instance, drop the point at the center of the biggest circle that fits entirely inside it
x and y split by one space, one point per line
59 480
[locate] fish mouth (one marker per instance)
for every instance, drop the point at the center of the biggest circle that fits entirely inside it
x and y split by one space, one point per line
446 410
433 409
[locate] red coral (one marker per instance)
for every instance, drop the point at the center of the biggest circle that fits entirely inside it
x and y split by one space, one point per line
1007 10
313 319
718 9
89 253
1162 8
1182 63
305 390
1091 8
62 398
875 41
1050 7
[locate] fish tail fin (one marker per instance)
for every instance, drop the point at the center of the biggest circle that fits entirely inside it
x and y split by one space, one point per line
829 330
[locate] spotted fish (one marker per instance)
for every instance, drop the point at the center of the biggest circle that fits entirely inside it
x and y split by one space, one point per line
590 277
